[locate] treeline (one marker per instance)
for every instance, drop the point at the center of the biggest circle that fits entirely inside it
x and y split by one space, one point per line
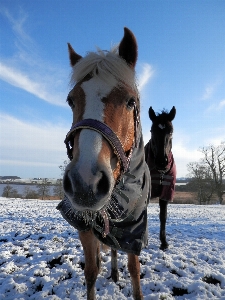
206 180
208 175
42 191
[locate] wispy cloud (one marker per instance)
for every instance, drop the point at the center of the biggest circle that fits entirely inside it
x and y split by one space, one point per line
145 75
26 70
18 79
210 90
222 103
215 107
28 143
17 23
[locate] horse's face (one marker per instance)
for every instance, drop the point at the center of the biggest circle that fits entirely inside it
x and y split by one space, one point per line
90 176
161 136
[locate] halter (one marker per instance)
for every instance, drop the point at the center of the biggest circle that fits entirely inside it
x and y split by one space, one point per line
108 134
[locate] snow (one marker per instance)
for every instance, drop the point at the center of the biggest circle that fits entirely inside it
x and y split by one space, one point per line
41 256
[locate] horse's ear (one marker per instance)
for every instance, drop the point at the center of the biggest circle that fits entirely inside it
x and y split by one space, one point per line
172 113
152 114
128 48
74 57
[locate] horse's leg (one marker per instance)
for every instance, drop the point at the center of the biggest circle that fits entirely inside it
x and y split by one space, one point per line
91 248
114 266
134 269
163 217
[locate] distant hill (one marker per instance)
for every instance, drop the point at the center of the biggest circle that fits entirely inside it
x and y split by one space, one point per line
183 180
9 177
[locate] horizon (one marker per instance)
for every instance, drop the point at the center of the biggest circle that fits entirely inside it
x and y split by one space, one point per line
181 63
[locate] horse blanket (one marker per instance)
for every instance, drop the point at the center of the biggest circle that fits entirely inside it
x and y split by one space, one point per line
162 183
127 209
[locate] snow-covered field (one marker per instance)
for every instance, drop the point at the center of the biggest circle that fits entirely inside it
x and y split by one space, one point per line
41 256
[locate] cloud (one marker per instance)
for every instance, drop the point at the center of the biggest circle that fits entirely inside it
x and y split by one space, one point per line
145 75
31 144
222 103
210 90
17 24
18 79
26 70
216 107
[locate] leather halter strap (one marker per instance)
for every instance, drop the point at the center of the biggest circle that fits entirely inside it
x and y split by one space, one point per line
105 131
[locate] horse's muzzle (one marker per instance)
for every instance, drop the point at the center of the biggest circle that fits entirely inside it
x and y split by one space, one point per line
88 192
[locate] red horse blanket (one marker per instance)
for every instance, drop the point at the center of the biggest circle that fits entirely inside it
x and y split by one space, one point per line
163 184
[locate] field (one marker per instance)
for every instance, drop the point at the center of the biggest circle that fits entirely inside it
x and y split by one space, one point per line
41 256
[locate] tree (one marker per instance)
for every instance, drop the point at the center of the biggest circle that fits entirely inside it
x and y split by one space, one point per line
58 189
10 192
43 188
201 182
214 158
63 167
29 193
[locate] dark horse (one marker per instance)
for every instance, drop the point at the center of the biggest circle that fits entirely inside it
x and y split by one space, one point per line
107 182
160 161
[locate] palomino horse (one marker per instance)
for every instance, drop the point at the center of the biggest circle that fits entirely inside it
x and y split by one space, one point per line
107 182
161 164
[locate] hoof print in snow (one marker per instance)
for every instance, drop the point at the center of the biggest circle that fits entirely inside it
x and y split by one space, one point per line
82 265
175 273
179 291
3 240
39 287
54 262
211 280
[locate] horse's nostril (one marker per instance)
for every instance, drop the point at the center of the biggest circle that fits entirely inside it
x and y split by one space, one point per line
103 185
67 184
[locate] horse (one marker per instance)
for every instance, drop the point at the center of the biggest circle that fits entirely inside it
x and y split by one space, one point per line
107 182
160 161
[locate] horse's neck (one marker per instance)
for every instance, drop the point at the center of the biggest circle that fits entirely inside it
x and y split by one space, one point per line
149 156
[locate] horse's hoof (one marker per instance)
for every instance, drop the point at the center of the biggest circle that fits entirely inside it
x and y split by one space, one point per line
163 247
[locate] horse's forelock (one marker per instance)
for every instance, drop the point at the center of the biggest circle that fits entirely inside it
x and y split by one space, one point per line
108 66
163 116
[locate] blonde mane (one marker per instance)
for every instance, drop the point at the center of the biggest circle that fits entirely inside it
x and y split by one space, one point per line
106 65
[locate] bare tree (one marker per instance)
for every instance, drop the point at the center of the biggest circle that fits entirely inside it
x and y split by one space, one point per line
30 193
43 188
201 182
58 189
63 167
10 192
7 191
214 158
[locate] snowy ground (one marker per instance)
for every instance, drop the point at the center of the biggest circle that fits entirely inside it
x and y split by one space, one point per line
41 256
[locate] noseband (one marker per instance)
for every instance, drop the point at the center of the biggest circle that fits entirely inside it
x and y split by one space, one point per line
108 134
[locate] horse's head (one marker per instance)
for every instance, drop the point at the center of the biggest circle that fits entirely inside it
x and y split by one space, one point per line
161 136
104 101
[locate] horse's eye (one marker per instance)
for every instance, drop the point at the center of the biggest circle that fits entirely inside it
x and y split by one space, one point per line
131 103
70 101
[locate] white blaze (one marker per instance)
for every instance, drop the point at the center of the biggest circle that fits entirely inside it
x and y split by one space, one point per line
90 141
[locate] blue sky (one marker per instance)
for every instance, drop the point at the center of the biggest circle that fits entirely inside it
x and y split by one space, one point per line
181 62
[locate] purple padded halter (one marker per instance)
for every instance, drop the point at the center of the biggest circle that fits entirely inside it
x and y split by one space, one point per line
108 134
